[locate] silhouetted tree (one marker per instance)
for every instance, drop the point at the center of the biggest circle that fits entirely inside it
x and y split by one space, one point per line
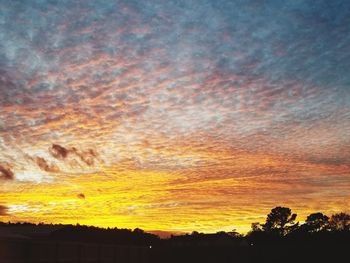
234 233
280 220
139 231
340 222
316 222
256 226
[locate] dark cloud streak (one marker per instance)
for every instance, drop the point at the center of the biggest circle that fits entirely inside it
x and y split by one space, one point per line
89 157
81 196
6 173
43 164
3 210
58 151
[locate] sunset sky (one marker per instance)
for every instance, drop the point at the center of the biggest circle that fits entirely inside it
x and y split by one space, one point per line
173 115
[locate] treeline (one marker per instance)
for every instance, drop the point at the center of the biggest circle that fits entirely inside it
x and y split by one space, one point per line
280 227
105 236
282 221
84 234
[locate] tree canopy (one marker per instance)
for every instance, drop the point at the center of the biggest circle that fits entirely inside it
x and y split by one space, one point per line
280 220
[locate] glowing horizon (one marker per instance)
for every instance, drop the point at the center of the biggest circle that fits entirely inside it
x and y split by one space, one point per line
176 116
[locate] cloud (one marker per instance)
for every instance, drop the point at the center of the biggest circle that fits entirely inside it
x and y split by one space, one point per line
81 196
42 163
58 151
3 210
6 173
204 92
88 157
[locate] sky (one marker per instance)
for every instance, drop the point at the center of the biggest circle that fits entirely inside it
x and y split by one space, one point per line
171 115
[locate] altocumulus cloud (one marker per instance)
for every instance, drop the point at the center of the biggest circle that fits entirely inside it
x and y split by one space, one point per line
81 196
44 165
89 157
201 93
3 210
6 173
59 151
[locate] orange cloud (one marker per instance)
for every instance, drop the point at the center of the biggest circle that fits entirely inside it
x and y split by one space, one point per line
6 173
